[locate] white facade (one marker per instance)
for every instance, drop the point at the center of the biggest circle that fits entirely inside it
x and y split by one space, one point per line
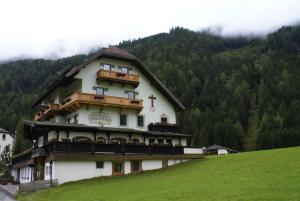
86 81
5 140
67 171
78 125
22 174
222 151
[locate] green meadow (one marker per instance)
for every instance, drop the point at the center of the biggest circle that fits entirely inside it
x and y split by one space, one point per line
261 175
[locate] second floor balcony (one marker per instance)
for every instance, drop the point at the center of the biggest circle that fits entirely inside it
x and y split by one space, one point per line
47 111
118 77
77 99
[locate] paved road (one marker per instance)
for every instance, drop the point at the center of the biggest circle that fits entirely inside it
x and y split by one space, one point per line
5 197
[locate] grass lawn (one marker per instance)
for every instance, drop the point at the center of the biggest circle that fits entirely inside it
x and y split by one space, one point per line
262 175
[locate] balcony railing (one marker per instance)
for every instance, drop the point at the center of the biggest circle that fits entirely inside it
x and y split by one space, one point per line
49 110
118 77
161 127
76 99
71 147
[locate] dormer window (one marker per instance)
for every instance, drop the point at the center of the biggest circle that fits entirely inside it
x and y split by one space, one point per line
124 69
107 66
131 94
100 90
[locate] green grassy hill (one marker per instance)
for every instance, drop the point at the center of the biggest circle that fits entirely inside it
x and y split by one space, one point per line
262 175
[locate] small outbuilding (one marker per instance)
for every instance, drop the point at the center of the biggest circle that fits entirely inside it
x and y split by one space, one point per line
218 150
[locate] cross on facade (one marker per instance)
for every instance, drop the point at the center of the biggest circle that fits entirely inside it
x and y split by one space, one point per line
152 100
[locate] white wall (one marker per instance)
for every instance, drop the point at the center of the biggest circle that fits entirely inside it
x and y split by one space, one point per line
222 151
151 164
72 171
193 150
127 167
26 174
145 89
8 141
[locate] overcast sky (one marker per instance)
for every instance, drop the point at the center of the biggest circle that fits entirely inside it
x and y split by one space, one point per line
57 28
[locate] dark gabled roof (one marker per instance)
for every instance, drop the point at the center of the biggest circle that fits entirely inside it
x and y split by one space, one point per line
2 130
215 147
34 129
119 54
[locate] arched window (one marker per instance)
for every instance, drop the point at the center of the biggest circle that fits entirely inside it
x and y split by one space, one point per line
100 140
82 139
118 140
135 141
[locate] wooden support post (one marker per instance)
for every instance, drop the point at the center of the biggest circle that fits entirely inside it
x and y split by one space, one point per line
108 138
57 136
93 146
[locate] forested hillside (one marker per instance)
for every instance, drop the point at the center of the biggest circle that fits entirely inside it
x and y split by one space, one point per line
239 92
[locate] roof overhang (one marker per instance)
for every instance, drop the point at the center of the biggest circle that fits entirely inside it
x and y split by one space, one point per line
35 129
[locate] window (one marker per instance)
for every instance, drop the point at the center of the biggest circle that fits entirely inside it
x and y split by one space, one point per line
100 140
169 141
135 166
75 119
99 164
151 141
123 119
164 120
3 136
47 170
82 139
135 141
160 141
106 67
118 140
124 69
140 120
100 91
118 167
131 94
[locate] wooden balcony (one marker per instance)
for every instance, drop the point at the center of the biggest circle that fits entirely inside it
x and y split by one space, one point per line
38 116
118 77
74 147
77 99
49 110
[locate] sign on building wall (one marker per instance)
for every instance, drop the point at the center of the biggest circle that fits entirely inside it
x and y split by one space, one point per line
101 118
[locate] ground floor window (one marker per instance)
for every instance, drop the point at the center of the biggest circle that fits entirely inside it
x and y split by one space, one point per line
99 164
118 168
151 141
47 170
135 141
160 141
169 141
136 166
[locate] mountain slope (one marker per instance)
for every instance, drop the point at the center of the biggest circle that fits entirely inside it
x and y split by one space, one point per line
216 79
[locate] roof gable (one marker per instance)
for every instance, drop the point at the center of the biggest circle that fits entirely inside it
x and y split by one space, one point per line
117 54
